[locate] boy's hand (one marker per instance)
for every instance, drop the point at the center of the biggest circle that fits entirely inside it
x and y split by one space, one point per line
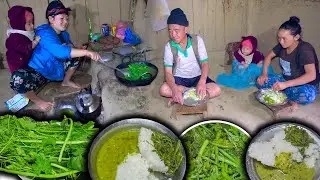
201 89
177 96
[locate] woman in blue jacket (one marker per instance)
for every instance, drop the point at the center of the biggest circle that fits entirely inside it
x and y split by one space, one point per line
52 58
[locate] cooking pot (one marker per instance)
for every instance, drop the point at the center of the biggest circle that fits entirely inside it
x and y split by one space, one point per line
88 105
153 72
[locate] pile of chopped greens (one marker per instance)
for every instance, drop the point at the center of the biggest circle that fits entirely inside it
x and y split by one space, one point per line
168 150
44 149
215 151
192 94
298 136
272 97
138 72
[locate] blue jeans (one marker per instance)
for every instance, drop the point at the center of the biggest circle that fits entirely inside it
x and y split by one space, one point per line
304 94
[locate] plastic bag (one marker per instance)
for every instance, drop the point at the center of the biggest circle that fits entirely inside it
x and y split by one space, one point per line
131 38
241 77
121 29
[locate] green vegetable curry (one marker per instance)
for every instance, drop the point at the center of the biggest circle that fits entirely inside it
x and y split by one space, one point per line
294 171
114 151
285 168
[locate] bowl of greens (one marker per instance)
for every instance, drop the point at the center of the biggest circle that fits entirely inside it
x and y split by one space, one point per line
284 151
137 149
271 97
137 73
215 150
190 98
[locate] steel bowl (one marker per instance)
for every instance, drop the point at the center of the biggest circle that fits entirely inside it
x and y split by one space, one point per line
258 97
128 124
190 101
268 133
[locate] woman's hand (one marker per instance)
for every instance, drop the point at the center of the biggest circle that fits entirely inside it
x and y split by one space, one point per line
262 79
279 86
93 55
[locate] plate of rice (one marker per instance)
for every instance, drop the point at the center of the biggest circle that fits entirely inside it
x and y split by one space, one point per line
284 151
190 98
271 97
137 149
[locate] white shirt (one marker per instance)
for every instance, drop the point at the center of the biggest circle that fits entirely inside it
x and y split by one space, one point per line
187 64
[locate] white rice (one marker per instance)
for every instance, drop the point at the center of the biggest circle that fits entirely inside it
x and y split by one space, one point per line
312 153
263 152
135 167
147 150
266 152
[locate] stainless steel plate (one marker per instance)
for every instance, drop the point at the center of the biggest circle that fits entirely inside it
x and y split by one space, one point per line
260 99
268 133
128 124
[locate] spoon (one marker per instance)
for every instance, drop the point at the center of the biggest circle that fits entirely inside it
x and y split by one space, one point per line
117 69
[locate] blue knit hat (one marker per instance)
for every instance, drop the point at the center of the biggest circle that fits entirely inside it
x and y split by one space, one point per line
177 16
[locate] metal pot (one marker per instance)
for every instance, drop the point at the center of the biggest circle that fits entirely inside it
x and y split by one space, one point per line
88 104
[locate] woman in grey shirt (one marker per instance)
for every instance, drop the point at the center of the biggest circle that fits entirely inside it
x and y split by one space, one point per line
299 63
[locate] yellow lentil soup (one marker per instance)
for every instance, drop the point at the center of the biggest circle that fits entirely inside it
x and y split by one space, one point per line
114 151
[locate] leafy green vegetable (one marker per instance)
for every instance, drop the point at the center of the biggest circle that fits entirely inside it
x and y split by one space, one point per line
169 151
215 151
272 97
138 72
298 137
44 149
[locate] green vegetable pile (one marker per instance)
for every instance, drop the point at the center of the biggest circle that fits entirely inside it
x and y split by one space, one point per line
215 151
168 150
298 137
272 97
44 149
192 94
138 72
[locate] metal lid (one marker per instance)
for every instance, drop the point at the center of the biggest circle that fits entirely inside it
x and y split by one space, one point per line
87 103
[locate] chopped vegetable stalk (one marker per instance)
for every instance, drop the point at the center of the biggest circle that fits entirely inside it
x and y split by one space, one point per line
215 151
168 150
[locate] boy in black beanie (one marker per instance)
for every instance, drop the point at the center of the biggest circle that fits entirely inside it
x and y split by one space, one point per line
185 61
